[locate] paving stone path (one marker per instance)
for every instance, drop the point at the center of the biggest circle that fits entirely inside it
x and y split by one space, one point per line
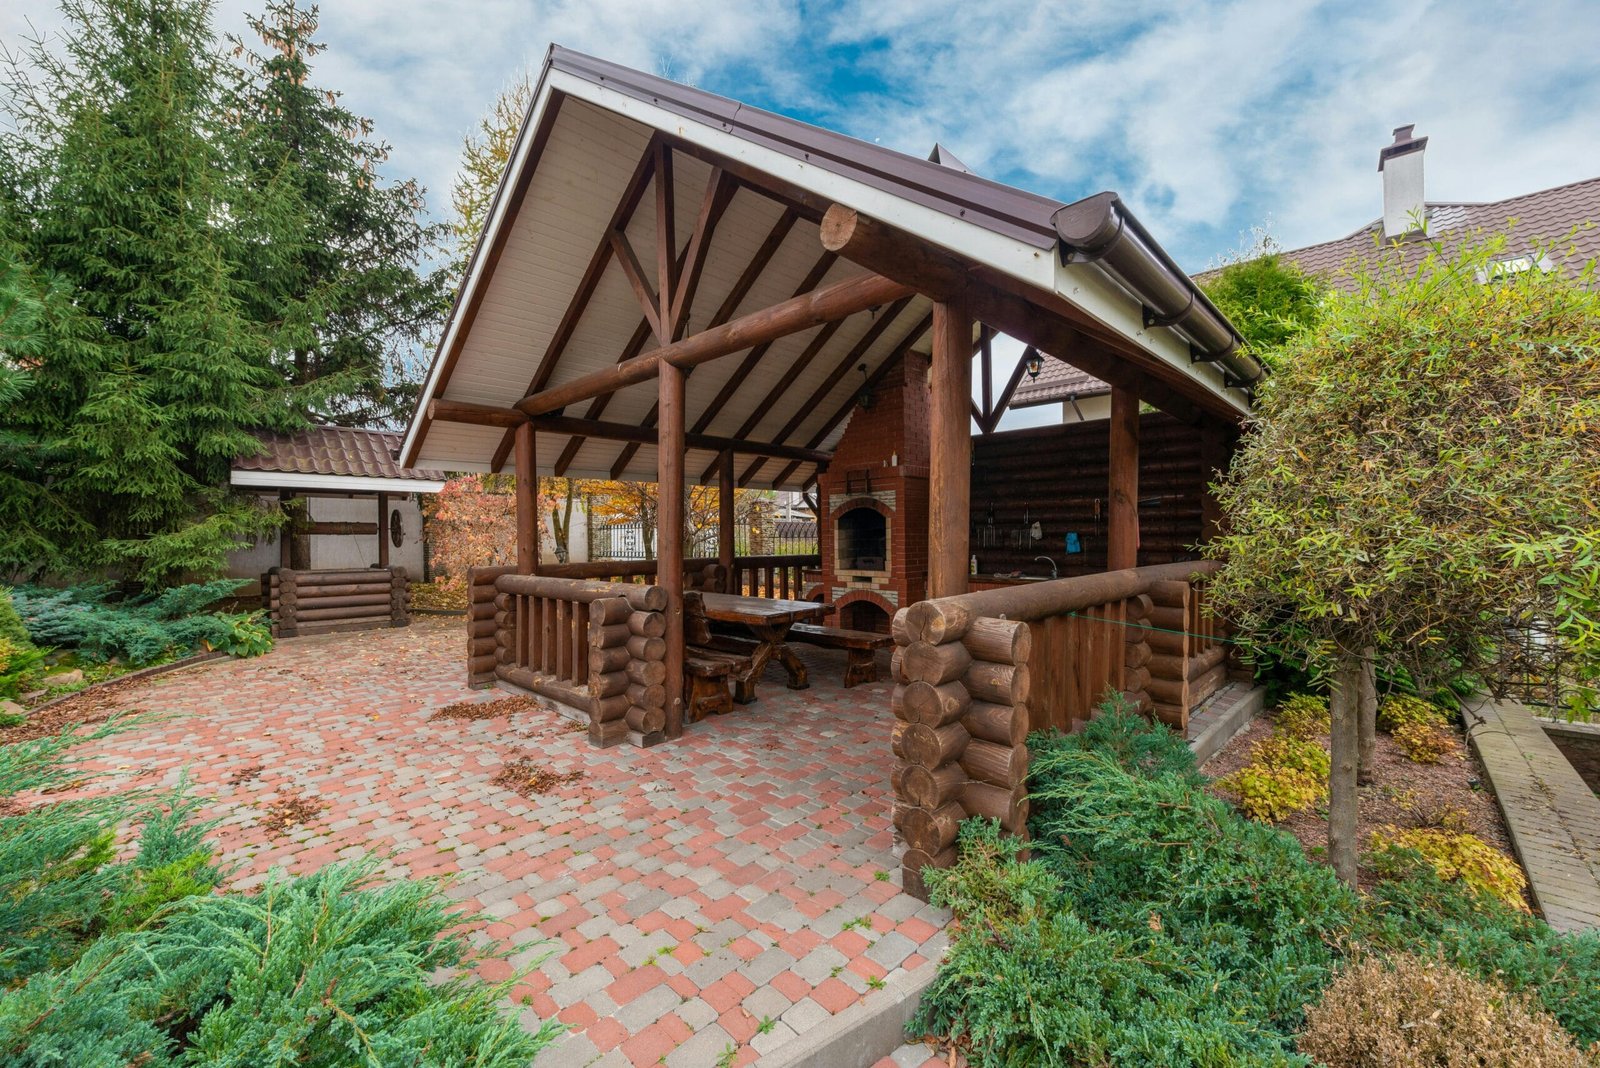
700 903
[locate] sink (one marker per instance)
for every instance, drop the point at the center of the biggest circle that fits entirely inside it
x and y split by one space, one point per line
1012 578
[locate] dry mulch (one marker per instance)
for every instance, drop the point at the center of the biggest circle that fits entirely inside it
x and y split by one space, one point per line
1403 793
84 709
434 597
290 811
526 777
505 706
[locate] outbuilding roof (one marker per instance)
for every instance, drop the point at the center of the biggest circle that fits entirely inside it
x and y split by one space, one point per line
569 255
333 457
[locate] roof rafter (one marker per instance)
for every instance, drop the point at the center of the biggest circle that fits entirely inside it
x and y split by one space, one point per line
857 351
632 193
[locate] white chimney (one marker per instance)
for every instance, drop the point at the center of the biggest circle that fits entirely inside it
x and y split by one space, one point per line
1404 208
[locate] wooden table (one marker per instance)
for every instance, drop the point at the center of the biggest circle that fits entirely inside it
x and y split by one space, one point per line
768 621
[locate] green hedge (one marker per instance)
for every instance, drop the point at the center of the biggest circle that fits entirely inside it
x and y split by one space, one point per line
1154 925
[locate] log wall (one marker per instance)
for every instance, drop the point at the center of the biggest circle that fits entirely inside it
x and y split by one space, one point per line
1058 475
975 673
315 602
598 647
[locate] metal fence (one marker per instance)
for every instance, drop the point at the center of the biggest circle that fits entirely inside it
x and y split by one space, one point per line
763 537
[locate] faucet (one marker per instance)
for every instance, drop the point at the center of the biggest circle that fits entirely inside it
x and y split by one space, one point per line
1053 572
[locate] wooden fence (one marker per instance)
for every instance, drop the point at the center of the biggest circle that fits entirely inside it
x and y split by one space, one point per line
315 602
597 647
975 673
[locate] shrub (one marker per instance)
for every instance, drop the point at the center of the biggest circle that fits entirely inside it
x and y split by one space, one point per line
10 623
19 664
1285 775
1154 925
138 961
1404 710
1425 743
1304 715
1460 855
1413 1013
140 630
1412 909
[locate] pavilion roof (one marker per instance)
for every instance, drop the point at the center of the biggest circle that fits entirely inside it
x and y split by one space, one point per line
569 258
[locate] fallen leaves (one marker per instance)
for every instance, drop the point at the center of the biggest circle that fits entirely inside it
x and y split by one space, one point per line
526 777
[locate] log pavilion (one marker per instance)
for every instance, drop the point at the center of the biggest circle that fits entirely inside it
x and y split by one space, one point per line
673 286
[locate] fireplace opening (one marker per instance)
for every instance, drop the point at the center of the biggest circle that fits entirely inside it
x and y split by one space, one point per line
862 543
864 615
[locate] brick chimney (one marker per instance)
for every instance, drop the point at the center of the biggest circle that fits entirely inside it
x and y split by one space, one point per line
1404 208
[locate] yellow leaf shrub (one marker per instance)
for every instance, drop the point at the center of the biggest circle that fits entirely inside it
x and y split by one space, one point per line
1285 775
1400 710
1425 743
1460 855
1304 715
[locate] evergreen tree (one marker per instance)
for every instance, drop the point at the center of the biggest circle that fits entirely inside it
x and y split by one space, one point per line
330 251
145 379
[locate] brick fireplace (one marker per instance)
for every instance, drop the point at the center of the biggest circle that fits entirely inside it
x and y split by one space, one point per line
873 503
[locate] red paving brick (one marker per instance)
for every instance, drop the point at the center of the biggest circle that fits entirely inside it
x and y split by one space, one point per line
712 867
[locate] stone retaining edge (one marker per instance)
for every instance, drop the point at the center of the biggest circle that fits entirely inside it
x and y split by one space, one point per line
135 676
864 1033
1551 814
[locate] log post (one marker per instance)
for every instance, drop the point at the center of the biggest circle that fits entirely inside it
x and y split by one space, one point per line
286 531
950 452
288 603
1122 543
669 532
527 501
725 531
383 530
1215 454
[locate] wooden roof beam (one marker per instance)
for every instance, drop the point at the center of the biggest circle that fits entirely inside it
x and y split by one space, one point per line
444 411
799 313
891 252
719 193
752 271
1011 388
632 193
855 354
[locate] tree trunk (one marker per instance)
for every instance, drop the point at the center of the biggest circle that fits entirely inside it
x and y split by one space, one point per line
1367 712
1346 743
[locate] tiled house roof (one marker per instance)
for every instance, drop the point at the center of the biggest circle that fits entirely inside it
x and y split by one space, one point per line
333 451
1056 382
1545 218
1565 220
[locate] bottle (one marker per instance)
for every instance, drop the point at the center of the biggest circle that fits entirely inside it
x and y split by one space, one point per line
973 566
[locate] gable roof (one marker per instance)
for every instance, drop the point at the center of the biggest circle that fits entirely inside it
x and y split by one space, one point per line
333 457
1543 218
549 296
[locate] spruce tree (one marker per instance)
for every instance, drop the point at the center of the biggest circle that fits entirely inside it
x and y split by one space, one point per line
146 376
332 254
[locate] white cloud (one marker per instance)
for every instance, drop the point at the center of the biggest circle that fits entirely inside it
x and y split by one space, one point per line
1208 118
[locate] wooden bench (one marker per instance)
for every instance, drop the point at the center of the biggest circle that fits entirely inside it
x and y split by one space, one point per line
860 646
705 681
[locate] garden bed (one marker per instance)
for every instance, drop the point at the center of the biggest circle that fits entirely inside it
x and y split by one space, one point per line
1403 793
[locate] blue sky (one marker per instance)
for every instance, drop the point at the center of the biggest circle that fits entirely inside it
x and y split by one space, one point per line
1209 118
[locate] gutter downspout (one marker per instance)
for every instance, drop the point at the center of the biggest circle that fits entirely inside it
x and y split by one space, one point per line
1100 229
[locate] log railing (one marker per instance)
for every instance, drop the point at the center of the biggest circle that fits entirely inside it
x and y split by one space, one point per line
314 602
757 576
976 672
597 647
